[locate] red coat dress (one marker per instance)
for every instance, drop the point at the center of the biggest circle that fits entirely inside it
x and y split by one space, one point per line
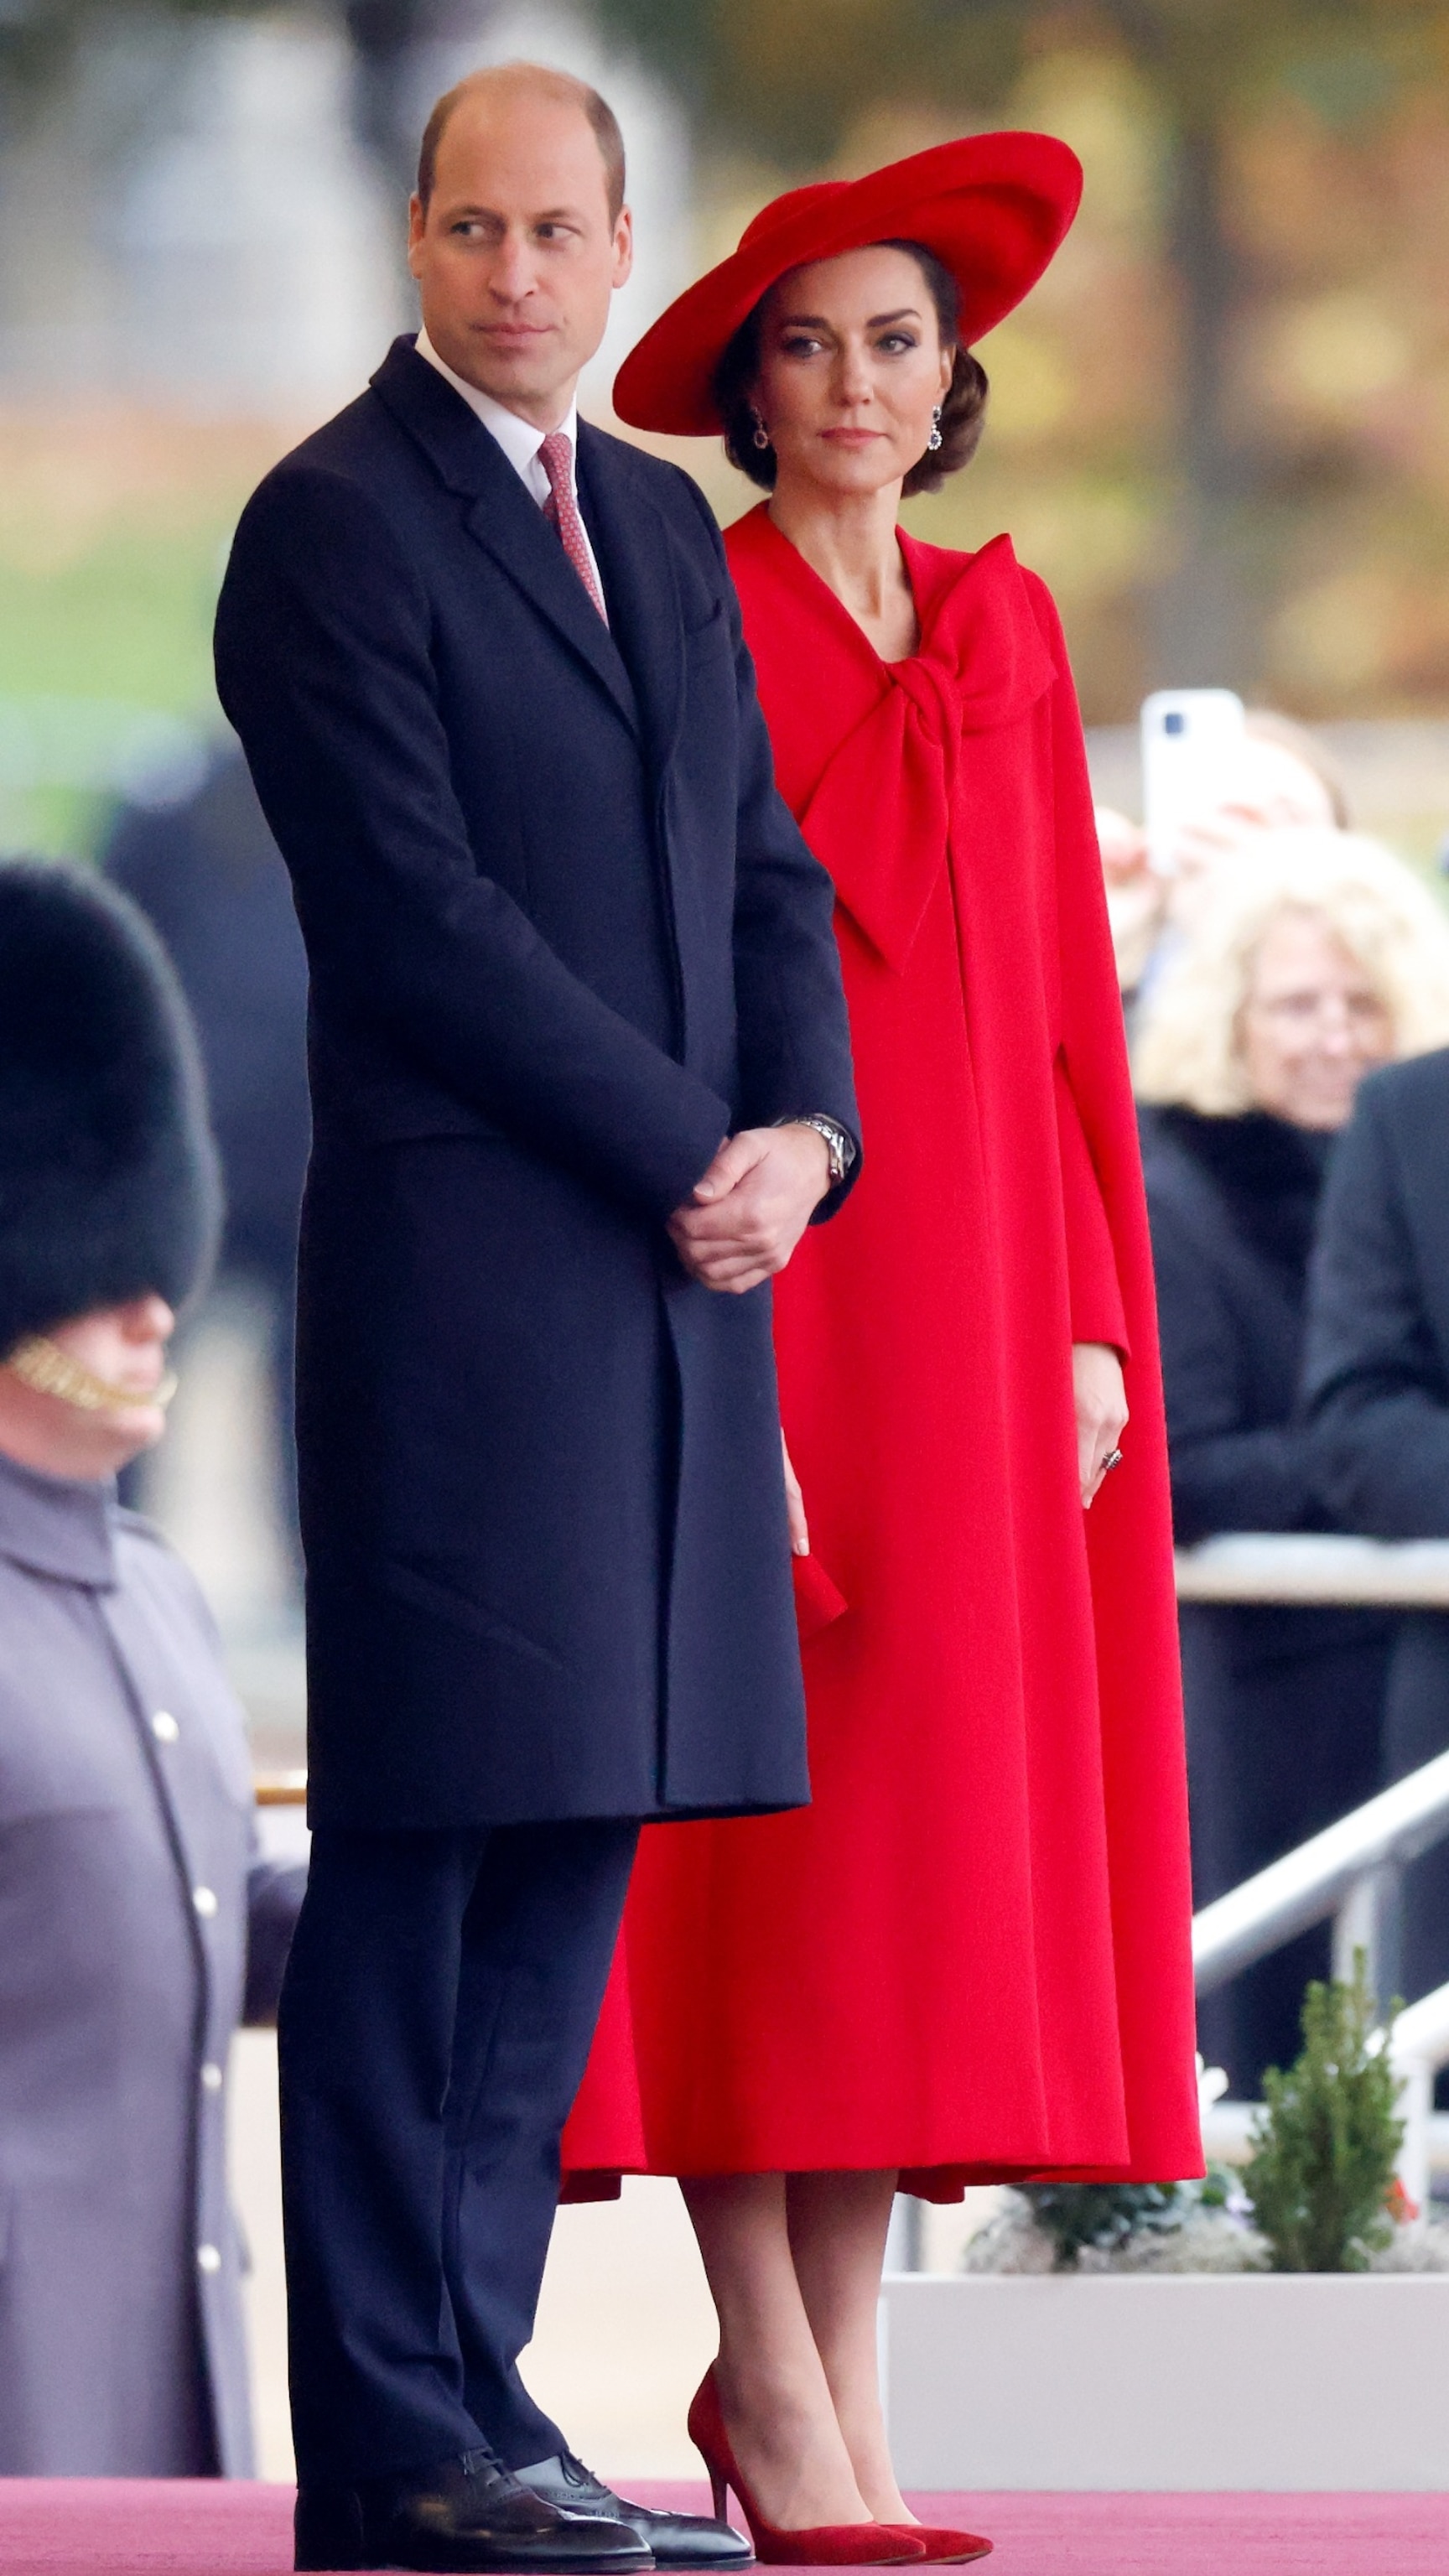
969 1957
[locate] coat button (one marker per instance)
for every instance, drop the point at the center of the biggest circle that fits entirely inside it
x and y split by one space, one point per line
211 2077
204 1900
208 2258
164 1727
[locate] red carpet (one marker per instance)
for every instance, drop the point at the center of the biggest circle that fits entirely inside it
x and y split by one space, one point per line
104 2527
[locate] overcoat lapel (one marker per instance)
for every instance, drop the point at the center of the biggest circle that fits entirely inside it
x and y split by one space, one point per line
500 515
636 559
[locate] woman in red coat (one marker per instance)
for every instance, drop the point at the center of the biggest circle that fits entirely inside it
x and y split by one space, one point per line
968 1960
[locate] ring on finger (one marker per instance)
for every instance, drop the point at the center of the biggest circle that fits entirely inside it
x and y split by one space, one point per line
1112 1459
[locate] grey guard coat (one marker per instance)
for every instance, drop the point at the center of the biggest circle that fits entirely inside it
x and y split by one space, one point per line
563 936
137 1923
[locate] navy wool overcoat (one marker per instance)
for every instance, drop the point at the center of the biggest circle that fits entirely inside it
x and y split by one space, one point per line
563 937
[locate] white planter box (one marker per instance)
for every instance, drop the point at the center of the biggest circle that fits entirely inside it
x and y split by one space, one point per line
1288 2382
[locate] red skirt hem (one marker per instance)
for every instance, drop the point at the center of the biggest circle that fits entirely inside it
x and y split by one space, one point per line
941 2184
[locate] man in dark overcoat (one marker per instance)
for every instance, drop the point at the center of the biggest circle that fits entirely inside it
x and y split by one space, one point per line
138 1921
580 1075
1377 1387
1284 1705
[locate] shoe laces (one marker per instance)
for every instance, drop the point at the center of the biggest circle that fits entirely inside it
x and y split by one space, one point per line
481 2457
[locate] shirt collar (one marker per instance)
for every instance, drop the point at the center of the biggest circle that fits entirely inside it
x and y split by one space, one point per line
519 439
57 1526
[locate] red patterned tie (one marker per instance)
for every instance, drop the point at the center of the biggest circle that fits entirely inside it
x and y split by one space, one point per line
562 512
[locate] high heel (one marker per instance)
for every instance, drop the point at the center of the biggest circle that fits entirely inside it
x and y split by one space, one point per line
833 2544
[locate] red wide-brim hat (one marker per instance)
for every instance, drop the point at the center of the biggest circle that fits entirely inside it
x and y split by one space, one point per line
992 207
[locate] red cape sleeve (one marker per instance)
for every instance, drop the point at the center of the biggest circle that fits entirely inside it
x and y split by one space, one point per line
1129 1528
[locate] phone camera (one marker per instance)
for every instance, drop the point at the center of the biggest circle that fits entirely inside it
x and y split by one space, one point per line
1174 721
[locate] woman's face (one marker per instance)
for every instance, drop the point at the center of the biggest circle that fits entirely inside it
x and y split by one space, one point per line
851 370
1312 1025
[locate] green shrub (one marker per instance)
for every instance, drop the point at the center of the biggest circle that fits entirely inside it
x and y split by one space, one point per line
1327 2141
1107 2214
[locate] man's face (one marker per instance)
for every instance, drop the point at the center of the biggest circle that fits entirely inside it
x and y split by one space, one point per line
122 1350
516 257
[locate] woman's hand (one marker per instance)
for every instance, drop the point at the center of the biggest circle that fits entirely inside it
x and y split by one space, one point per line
1101 1402
795 1506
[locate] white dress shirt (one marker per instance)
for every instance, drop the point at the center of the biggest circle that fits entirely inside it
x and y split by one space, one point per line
519 440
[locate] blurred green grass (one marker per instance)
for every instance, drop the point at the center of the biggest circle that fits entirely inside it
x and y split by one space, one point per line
129 619
114 527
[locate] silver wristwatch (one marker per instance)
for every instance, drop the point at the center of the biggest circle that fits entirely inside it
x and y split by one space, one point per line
839 1143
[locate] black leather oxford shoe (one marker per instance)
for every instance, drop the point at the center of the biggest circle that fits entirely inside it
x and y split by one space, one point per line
676 2539
462 2515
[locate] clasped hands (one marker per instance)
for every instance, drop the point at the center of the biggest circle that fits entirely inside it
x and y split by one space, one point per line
744 1220
745 1217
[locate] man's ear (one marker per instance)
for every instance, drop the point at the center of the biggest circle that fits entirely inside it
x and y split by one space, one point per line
623 246
417 226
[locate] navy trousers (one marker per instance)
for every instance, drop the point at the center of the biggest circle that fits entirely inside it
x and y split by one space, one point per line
439 2003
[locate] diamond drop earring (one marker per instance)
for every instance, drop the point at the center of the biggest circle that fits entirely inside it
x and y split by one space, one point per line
934 441
762 435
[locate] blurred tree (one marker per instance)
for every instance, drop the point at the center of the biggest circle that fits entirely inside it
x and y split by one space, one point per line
383 33
36 36
38 39
1239 496
385 36
789 78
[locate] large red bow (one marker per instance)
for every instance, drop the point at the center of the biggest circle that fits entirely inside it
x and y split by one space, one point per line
880 817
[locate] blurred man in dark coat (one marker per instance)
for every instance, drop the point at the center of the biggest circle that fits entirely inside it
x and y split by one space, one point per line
1284 1706
1251 1051
137 1922
1377 1385
210 878
580 1077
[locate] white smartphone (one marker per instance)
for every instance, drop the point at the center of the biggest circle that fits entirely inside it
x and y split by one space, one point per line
1188 739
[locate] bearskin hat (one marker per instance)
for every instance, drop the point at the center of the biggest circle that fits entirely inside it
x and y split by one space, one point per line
109 1185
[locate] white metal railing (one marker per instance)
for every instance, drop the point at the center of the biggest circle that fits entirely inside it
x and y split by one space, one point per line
1227 2128
1313 1568
1348 1871
1353 1871
1418 2047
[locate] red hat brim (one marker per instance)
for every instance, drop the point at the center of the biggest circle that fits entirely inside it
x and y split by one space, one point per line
993 208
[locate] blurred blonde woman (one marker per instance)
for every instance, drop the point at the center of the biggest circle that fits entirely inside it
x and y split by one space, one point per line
1315 956
1279 778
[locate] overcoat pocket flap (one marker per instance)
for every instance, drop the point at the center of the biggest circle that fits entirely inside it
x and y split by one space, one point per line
425 1592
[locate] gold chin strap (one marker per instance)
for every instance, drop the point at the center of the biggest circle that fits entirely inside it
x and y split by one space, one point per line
43 1365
